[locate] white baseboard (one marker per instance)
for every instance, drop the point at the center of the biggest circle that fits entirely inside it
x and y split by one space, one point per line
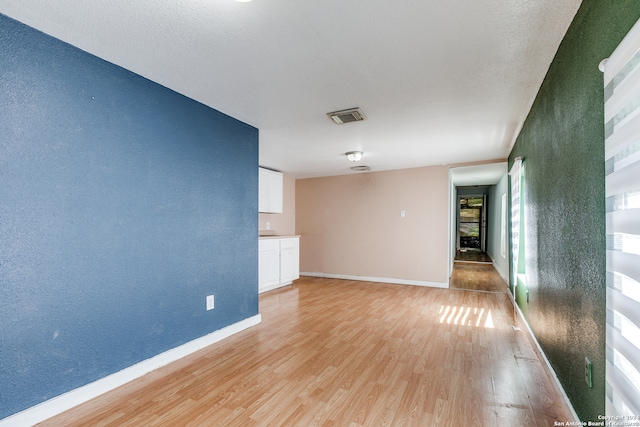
66 401
503 274
272 287
378 279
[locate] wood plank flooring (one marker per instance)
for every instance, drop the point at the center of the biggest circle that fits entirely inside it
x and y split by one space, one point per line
477 277
472 255
346 353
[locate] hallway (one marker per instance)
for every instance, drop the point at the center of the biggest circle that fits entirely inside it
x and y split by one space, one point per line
477 277
335 352
472 255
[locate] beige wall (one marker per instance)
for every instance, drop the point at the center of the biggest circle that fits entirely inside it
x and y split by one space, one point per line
284 223
351 225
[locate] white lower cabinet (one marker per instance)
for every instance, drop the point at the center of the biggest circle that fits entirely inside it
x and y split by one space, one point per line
268 263
289 259
278 262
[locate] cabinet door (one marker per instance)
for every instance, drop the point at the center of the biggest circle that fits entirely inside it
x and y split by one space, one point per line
275 192
263 195
289 259
270 191
268 263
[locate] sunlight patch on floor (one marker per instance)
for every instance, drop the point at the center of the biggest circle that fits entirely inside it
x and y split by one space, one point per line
466 316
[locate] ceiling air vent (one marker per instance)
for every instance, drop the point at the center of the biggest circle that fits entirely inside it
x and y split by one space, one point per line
347 116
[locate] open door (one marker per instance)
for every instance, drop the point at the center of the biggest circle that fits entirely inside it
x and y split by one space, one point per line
472 223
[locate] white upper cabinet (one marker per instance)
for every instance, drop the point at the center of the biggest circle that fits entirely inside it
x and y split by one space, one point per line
270 191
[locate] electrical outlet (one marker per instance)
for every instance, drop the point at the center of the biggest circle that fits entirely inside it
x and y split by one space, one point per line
588 372
210 302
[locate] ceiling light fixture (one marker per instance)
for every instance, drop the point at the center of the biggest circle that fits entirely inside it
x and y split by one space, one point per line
243 1
354 156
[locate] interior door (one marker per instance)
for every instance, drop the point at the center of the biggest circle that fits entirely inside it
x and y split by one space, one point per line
471 219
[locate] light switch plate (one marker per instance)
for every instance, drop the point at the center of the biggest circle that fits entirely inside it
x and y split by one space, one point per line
210 302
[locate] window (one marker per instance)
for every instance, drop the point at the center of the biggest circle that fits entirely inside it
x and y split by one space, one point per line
503 227
515 180
622 176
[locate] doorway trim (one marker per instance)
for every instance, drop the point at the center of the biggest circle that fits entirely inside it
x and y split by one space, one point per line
489 173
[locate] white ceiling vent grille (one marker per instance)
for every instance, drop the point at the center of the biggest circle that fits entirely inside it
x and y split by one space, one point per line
347 116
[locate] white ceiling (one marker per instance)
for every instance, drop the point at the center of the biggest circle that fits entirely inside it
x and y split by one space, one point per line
441 82
487 174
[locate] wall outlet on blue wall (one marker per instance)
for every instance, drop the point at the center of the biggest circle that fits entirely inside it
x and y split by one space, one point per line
210 302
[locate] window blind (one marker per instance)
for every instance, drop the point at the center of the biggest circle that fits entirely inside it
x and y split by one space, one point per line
622 172
515 180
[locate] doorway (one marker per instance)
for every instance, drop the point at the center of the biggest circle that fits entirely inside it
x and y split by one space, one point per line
487 181
472 228
471 217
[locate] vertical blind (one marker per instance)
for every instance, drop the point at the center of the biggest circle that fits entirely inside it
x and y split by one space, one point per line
622 171
514 175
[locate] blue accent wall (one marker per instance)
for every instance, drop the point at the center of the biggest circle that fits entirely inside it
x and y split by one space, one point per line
123 205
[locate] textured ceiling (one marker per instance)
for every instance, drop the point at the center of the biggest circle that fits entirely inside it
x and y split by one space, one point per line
440 82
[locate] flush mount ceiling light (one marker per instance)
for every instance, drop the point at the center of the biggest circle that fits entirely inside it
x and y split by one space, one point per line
354 156
243 1
361 168
347 116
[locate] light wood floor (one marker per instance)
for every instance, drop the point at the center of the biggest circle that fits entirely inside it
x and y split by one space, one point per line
472 255
346 353
477 277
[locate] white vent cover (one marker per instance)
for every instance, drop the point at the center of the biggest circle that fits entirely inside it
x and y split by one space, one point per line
347 116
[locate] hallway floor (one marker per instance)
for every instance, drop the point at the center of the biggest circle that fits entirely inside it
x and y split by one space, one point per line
477 277
472 255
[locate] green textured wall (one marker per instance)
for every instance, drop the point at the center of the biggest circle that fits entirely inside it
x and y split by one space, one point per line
562 144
